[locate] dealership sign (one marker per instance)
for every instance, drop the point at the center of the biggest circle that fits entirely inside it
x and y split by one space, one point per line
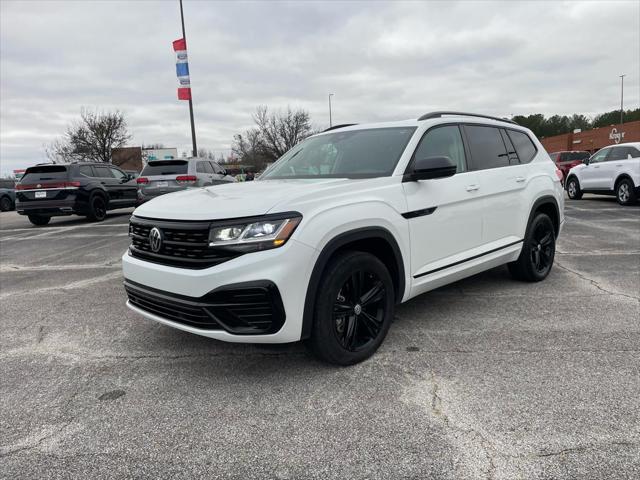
615 136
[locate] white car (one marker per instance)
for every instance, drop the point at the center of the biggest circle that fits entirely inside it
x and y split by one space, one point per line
347 224
613 170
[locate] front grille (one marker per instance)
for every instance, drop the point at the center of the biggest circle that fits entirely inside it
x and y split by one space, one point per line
184 244
243 309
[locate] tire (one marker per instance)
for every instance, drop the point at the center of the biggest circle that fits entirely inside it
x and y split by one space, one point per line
97 208
538 251
573 189
347 327
625 192
6 204
39 220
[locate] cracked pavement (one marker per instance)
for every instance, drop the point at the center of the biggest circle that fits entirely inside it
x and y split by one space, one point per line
487 378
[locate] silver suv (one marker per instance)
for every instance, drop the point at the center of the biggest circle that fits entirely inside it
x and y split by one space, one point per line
166 176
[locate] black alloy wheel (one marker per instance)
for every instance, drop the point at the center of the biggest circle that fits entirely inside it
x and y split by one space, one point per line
538 251
98 208
542 248
358 310
353 309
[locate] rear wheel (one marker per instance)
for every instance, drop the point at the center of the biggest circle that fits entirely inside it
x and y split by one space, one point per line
625 193
353 310
6 204
97 208
39 220
573 189
538 251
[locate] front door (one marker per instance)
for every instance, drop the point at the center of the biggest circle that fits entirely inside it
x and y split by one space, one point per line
444 214
593 175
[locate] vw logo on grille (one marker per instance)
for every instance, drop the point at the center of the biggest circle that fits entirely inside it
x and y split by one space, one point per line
155 239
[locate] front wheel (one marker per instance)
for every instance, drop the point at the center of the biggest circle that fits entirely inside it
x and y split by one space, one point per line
573 189
353 310
6 204
538 251
39 220
625 193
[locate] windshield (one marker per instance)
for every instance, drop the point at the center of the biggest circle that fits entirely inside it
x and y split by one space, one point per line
352 154
165 167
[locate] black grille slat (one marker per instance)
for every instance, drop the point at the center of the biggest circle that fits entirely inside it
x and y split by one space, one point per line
220 309
185 244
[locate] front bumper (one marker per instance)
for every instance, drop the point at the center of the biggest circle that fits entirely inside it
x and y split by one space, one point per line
287 269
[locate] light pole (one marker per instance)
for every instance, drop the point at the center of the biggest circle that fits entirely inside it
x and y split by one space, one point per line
622 98
330 120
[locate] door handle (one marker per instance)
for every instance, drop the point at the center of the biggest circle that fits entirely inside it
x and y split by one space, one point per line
520 179
619 165
596 166
472 188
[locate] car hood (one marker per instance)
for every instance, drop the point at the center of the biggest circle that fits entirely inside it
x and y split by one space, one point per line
233 200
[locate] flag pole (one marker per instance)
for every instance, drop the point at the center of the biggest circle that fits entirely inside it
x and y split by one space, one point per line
193 128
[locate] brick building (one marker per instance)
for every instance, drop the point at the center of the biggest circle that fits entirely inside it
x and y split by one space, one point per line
592 140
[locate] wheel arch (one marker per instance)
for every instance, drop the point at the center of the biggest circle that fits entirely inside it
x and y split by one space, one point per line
375 240
619 178
548 205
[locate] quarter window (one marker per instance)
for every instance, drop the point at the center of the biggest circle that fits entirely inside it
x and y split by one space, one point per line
487 147
524 146
443 141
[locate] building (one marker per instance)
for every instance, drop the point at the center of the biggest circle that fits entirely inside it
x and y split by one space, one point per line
593 140
135 158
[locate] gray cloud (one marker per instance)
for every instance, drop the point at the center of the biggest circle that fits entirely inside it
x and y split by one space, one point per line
382 61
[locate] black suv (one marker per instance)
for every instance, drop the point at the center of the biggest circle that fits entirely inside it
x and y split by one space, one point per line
85 188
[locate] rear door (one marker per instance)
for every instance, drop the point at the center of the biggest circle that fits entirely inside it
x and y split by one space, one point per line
109 182
623 159
502 180
444 214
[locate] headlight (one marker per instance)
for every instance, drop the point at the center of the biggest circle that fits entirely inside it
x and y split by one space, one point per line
270 231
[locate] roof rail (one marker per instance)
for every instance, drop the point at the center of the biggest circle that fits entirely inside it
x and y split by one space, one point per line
430 115
339 126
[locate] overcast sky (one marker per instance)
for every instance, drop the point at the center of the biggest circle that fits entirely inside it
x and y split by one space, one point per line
383 61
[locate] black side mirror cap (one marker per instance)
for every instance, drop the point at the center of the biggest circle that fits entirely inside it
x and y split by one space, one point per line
431 167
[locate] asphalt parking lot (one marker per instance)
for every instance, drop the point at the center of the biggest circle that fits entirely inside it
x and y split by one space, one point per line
486 378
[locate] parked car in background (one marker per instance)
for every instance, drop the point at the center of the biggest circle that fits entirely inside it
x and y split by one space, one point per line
7 195
347 224
566 160
613 170
89 189
165 176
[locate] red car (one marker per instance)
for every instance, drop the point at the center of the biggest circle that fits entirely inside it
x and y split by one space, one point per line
565 161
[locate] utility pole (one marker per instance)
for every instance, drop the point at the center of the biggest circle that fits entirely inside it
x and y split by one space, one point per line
330 120
622 98
193 128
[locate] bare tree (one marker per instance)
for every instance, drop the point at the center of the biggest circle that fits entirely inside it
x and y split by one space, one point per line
91 138
273 135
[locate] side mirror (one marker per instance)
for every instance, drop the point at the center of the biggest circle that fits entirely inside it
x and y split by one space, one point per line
432 167
224 172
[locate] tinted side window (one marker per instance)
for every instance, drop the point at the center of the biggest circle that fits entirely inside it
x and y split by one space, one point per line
443 141
119 174
622 153
523 144
487 147
86 170
103 172
200 167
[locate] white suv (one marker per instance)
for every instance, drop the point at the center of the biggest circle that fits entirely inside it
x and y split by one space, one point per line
613 170
344 226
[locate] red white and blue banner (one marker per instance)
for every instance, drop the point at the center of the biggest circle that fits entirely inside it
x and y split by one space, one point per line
182 69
